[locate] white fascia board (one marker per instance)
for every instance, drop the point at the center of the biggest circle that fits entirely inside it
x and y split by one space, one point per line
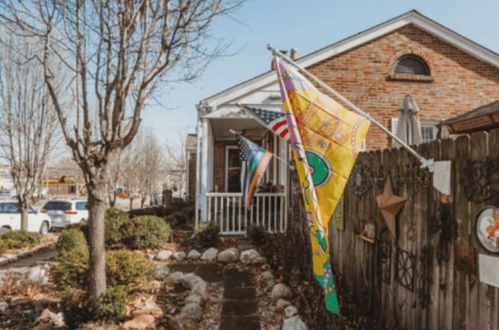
457 40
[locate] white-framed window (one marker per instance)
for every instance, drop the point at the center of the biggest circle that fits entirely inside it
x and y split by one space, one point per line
429 129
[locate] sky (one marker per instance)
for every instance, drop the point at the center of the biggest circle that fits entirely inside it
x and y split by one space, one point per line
306 26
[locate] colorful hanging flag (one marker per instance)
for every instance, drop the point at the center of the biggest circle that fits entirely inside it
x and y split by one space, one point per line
326 138
273 120
254 162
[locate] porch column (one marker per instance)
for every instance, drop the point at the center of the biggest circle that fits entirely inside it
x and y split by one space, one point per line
206 167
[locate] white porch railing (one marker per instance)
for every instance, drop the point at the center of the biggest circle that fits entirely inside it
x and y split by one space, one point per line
268 210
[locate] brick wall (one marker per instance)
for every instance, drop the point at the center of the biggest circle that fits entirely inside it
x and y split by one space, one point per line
460 82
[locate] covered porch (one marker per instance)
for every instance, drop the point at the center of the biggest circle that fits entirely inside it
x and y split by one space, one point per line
219 197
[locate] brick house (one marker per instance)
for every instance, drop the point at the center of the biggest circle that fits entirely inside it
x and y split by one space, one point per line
446 73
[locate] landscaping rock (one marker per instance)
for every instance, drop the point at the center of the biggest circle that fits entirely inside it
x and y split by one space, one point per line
192 311
150 256
281 291
140 322
194 255
228 255
194 298
174 277
201 289
150 307
56 319
190 280
16 301
181 322
294 323
210 254
164 255
267 275
282 303
179 255
249 255
290 311
3 306
259 261
162 272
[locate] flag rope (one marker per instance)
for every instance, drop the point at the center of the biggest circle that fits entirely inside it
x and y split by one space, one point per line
429 163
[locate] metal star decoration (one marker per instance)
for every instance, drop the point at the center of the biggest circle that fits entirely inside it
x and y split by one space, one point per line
389 206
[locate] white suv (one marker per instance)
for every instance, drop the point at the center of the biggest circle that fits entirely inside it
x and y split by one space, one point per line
10 218
63 212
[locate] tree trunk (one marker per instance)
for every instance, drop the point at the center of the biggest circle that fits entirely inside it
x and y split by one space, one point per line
112 199
24 217
97 197
131 203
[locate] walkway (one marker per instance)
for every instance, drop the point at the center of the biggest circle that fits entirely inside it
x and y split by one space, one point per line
240 305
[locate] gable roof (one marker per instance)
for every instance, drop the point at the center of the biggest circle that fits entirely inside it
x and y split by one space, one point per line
412 17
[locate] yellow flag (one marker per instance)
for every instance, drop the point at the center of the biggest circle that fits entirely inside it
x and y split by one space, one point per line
326 138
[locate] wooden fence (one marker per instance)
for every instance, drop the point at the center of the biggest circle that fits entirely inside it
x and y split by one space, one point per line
427 277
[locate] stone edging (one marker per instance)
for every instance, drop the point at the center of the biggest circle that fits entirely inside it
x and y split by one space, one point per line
26 254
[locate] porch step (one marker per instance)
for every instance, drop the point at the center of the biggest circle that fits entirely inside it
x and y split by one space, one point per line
240 304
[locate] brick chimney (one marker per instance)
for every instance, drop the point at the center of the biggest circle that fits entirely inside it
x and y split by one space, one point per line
293 54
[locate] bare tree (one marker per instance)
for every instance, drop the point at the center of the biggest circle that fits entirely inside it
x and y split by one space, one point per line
27 120
119 52
143 166
176 163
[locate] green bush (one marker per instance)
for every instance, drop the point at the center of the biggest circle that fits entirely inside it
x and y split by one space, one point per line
176 218
129 269
76 308
17 239
71 239
112 304
146 232
122 268
116 223
10 244
256 234
206 236
71 269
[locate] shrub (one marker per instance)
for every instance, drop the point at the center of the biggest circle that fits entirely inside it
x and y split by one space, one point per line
112 304
18 239
10 244
71 269
256 234
146 232
116 223
71 239
176 218
128 268
206 236
75 308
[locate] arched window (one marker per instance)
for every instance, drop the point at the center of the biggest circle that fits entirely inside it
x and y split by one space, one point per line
412 65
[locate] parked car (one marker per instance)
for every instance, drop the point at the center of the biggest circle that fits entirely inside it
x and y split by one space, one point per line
63 212
10 218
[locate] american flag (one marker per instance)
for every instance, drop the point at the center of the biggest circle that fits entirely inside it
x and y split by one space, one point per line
255 161
273 120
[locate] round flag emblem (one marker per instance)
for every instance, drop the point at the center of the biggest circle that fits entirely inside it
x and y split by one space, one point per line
319 166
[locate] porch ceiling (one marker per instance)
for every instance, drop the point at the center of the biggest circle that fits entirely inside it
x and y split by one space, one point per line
249 127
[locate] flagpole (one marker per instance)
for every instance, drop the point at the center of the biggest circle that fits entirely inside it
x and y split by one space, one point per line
273 154
424 162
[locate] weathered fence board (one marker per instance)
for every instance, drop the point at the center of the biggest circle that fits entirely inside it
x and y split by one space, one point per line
420 279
